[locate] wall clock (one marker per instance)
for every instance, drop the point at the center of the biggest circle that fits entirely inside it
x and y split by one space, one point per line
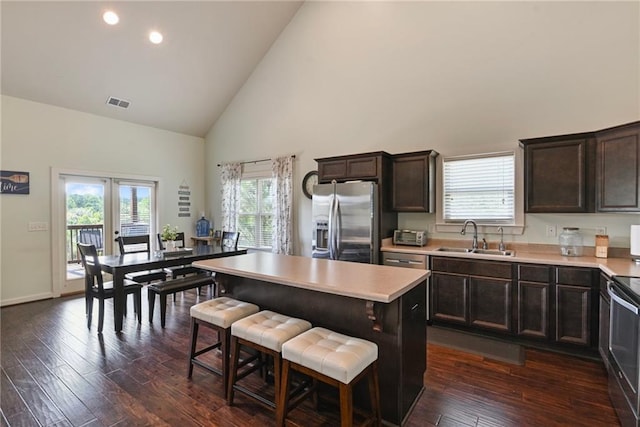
309 180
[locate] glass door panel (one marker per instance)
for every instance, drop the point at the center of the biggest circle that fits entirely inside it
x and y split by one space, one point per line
85 220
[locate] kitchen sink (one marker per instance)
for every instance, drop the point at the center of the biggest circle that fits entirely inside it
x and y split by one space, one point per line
477 251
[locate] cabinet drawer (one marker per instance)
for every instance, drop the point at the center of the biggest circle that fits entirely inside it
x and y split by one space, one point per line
472 267
533 273
574 276
405 260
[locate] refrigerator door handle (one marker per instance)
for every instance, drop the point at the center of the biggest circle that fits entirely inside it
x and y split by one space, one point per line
331 227
338 228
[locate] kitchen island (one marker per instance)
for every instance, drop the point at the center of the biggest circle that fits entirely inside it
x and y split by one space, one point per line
382 304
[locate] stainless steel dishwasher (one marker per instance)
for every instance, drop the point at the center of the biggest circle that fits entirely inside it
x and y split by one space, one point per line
401 259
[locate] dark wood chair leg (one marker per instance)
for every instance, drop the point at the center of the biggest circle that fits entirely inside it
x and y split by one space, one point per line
137 298
101 313
152 302
163 309
89 313
192 351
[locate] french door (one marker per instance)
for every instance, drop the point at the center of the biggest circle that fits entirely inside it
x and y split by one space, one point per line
94 210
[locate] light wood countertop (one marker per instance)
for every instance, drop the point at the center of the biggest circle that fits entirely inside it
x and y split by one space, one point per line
611 266
377 283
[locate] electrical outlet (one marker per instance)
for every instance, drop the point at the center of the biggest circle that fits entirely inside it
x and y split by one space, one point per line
38 226
601 230
551 231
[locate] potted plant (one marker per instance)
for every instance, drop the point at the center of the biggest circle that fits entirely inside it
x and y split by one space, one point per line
169 235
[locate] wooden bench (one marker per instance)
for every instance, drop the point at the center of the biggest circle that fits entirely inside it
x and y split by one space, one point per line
171 287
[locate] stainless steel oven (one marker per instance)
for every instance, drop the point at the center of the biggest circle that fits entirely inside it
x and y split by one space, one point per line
624 348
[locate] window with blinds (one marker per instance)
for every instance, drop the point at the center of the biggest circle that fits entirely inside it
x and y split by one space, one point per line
481 188
255 219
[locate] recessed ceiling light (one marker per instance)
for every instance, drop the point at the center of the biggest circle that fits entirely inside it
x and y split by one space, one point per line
155 37
110 17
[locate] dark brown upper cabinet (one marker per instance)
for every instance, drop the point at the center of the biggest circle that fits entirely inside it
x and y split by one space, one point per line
585 172
414 181
376 167
559 173
618 169
366 166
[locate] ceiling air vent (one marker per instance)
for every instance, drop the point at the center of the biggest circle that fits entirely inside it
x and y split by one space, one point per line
122 103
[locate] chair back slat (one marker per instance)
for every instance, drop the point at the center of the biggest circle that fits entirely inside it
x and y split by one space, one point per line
91 236
134 244
230 239
92 268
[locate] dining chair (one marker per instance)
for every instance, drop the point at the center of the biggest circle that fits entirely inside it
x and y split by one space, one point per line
96 287
230 239
180 270
135 245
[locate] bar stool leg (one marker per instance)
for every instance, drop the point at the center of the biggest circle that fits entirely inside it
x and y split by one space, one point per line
194 338
281 411
235 354
374 393
346 405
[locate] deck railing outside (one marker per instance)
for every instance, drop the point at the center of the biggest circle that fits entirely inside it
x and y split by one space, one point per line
94 234
83 233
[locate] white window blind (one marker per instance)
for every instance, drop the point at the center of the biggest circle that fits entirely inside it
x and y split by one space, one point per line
255 220
481 188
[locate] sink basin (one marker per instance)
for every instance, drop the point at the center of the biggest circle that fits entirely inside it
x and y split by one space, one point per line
477 251
459 250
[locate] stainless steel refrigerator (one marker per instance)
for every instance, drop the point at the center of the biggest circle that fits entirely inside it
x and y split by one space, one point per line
345 222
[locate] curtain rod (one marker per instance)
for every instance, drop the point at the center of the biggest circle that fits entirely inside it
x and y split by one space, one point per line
293 156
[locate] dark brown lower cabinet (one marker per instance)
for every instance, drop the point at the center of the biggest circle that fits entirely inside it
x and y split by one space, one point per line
490 303
533 309
460 295
552 306
574 317
449 298
573 320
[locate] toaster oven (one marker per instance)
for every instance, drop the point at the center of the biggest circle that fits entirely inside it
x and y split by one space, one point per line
410 237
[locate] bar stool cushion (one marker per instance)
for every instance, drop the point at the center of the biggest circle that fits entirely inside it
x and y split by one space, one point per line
269 329
337 356
222 311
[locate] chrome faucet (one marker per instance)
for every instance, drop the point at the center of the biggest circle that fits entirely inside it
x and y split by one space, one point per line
501 246
474 244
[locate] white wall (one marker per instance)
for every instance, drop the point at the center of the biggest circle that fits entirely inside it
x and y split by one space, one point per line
38 137
456 77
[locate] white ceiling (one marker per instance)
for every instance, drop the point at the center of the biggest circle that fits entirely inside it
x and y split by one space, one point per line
62 53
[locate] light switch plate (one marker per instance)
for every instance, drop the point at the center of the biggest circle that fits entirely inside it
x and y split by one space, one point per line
38 226
601 230
551 231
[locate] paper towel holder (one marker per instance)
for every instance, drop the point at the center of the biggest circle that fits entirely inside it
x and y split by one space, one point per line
634 243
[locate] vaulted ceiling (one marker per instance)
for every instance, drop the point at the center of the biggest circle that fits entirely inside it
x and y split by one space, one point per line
64 54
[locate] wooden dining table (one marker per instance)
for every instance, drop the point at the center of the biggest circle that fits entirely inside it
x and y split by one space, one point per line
120 265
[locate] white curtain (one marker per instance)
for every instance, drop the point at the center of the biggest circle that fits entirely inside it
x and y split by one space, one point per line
231 174
282 172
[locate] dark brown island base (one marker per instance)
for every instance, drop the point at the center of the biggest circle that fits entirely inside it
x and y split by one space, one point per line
382 304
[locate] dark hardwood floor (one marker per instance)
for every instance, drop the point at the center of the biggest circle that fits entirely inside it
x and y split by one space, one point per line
56 372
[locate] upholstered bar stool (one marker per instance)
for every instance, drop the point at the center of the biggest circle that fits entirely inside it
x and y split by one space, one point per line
336 359
265 332
217 314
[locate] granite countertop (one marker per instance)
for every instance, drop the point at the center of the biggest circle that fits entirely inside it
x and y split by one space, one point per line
364 281
613 266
